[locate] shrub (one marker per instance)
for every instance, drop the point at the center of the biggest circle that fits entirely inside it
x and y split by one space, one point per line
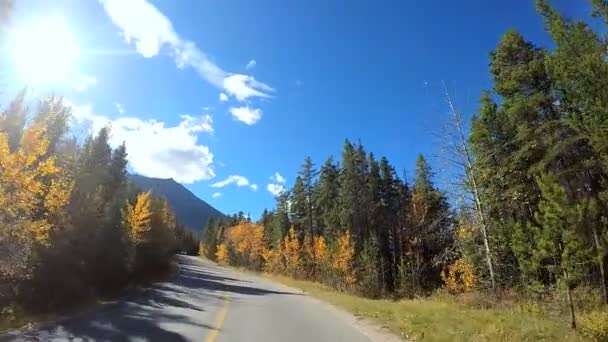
460 277
223 254
594 325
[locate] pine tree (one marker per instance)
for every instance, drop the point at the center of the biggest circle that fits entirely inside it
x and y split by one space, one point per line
326 204
353 192
390 206
348 188
308 175
299 207
281 221
12 120
559 247
430 236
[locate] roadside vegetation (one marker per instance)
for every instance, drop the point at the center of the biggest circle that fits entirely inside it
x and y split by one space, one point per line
444 317
519 244
72 229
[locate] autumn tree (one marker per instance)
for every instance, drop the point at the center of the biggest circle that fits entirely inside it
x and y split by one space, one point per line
33 195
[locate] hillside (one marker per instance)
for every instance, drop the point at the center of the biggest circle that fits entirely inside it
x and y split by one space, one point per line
189 209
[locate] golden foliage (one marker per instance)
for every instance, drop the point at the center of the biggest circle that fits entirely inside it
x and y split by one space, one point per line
343 259
460 277
594 325
273 260
291 253
320 252
247 239
464 232
222 255
33 189
203 250
138 218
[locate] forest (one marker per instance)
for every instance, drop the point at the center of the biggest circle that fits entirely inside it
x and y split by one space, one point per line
531 217
72 229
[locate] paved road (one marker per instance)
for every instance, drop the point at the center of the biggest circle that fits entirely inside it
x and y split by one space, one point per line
204 302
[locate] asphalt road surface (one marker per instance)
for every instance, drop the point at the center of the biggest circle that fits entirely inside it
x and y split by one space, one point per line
205 302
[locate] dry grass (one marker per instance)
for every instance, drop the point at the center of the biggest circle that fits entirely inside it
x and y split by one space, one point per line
444 318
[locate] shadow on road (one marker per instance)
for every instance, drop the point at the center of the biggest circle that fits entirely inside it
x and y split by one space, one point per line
148 315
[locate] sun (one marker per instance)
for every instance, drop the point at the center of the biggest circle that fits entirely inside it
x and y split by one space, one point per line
44 51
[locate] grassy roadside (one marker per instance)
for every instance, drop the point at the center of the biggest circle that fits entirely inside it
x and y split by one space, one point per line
441 320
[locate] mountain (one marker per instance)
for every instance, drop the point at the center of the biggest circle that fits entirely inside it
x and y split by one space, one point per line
190 210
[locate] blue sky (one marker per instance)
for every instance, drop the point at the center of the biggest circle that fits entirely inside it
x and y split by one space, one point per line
203 90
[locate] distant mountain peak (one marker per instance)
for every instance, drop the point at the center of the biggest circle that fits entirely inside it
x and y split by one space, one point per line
190 210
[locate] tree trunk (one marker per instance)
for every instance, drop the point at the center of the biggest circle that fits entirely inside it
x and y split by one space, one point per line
484 232
467 159
600 261
571 304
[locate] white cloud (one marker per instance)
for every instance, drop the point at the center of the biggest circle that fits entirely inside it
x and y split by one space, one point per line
246 114
243 87
232 179
83 82
155 149
143 25
216 195
275 189
279 187
119 108
278 178
254 187
223 97
252 63
202 123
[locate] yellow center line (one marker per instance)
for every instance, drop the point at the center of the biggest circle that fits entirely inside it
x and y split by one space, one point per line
219 320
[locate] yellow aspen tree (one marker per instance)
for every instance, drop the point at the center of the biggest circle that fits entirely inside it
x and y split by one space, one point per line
139 217
33 189
247 239
272 260
222 255
34 192
460 277
320 256
343 260
291 250
256 245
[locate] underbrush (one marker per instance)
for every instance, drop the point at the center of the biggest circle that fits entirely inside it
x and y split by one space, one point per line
505 316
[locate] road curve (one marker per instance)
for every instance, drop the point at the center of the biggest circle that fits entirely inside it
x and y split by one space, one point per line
204 302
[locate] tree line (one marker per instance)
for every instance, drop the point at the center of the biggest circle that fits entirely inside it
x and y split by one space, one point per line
356 225
72 227
532 214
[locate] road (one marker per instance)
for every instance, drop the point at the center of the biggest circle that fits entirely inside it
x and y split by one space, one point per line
205 302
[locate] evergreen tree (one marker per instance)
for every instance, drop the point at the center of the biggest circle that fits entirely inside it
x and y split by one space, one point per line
326 203
299 207
308 175
559 248
430 234
12 120
281 221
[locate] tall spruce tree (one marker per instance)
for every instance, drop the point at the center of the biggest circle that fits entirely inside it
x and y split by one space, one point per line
326 199
299 207
308 174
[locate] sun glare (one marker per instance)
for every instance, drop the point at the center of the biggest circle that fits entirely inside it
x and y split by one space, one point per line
44 51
